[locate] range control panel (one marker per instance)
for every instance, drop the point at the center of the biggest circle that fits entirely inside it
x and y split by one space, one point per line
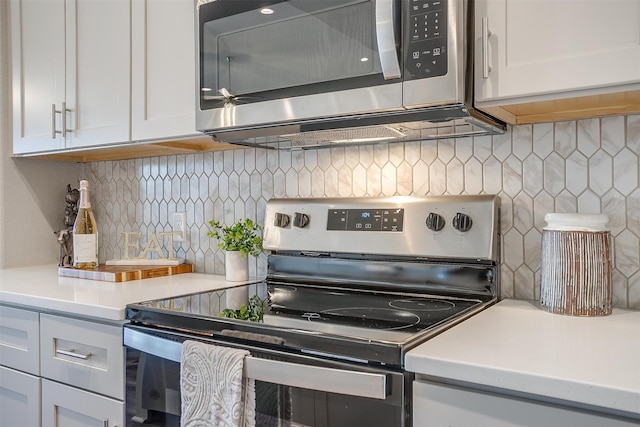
419 226
389 219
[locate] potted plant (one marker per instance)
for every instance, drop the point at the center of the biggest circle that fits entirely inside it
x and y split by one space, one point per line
237 241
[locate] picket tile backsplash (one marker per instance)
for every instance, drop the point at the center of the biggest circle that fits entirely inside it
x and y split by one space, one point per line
575 166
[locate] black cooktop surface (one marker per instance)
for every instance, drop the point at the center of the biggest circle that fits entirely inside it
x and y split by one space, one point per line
377 311
308 318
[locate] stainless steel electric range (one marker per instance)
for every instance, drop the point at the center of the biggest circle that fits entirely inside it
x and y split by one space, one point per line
352 284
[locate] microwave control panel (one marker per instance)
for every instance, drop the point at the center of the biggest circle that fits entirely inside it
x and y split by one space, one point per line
426 39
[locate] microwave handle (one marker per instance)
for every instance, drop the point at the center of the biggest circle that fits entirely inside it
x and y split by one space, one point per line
332 380
385 35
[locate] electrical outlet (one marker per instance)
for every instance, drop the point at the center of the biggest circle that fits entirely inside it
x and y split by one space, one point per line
179 223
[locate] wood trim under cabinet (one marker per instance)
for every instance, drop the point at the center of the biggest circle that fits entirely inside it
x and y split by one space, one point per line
566 109
198 144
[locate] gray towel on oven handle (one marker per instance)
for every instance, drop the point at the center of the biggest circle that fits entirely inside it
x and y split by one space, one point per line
273 402
214 391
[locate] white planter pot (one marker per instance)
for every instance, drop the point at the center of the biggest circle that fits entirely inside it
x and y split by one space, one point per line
236 266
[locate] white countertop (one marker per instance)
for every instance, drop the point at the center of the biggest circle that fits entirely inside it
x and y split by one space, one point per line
40 287
512 345
515 345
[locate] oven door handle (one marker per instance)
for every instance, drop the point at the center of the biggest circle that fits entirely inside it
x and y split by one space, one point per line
354 383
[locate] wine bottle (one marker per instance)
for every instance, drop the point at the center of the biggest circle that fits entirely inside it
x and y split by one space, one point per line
85 233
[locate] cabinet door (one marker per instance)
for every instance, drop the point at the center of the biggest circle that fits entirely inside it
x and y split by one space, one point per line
64 406
163 69
549 48
38 73
98 75
436 405
19 398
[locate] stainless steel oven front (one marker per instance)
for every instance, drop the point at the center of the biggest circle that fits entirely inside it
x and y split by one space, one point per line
351 286
291 390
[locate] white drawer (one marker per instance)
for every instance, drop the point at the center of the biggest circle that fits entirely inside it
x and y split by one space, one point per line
19 399
83 354
19 339
67 406
438 405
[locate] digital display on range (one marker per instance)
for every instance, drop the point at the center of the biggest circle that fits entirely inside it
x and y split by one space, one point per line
365 219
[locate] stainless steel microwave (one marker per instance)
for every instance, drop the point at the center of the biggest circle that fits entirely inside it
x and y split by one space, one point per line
308 73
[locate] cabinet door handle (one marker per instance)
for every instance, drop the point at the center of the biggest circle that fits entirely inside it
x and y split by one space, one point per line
486 69
64 112
73 353
54 132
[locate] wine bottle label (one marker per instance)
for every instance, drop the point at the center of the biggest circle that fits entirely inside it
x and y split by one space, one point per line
85 248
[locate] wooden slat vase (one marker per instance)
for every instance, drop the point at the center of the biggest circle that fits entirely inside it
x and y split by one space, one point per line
575 274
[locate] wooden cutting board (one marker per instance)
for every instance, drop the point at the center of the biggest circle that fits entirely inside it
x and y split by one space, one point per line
124 273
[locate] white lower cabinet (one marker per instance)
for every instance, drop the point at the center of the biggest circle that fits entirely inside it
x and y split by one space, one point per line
437 405
19 398
20 339
65 406
60 371
83 354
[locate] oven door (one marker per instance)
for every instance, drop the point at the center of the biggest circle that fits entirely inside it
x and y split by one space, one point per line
300 60
291 390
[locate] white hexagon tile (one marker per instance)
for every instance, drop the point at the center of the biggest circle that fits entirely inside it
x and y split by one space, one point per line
574 166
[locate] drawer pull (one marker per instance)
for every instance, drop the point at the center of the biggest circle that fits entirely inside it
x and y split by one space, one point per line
72 353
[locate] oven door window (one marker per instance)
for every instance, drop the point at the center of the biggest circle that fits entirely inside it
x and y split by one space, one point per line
153 399
252 53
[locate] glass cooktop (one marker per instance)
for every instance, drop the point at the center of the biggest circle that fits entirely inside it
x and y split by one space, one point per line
370 310
307 318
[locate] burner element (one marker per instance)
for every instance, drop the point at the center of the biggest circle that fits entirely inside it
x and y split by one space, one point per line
311 316
422 304
378 318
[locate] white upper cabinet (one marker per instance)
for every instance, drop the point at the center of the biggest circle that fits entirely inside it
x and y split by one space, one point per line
163 69
71 73
38 73
98 86
542 50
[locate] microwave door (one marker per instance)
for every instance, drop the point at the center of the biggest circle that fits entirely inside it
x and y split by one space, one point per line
304 60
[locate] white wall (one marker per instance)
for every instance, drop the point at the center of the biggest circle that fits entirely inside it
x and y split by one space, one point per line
31 190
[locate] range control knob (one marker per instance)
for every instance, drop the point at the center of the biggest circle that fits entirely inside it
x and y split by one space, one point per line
300 220
281 220
462 222
435 222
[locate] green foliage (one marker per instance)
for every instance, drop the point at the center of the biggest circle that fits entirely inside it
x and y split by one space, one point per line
252 311
242 236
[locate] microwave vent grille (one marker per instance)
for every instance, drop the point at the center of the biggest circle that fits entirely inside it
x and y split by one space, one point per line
365 135
350 135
